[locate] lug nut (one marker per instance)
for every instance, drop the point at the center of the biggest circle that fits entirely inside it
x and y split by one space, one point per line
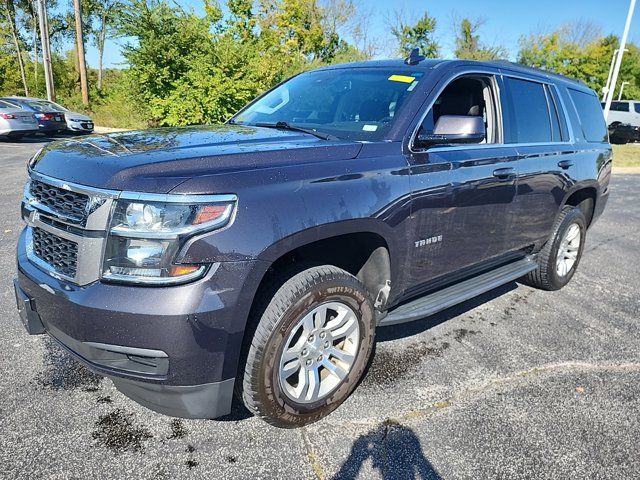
326 344
322 335
311 338
304 352
320 358
309 362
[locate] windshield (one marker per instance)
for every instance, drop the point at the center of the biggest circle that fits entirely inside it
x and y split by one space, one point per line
353 104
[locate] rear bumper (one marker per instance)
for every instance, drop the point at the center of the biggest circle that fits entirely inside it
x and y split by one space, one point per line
22 130
172 349
51 127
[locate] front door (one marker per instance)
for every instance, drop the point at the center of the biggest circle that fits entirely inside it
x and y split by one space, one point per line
463 195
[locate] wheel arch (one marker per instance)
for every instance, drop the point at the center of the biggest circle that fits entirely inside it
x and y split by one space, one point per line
584 197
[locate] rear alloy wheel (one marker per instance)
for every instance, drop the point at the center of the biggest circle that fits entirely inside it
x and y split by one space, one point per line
559 258
310 349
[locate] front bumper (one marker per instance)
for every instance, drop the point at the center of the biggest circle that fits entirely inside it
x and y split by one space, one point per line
85 126
173 349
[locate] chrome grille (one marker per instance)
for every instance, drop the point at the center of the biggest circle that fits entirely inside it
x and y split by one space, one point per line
69 204
61 254
66 227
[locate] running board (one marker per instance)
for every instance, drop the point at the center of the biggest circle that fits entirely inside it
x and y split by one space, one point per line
447 297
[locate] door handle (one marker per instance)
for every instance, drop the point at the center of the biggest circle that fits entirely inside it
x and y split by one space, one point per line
565 164
503 172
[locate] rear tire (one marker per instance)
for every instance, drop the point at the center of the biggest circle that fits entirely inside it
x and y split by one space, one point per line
293 374
559 258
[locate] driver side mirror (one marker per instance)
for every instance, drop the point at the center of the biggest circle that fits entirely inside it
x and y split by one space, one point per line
453 129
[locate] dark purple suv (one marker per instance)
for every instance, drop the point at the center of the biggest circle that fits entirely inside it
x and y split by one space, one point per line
261 255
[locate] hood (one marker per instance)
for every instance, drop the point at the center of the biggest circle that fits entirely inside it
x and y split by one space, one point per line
77 116
156 161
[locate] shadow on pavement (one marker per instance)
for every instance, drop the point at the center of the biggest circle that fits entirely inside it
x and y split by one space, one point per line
395 332
394 450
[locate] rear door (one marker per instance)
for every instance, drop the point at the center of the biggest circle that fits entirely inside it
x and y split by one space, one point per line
536 125
462 195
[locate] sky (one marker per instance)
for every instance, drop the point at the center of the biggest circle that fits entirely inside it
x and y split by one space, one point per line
505 21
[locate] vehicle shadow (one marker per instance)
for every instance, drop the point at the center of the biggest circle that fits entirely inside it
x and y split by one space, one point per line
395 332
393 449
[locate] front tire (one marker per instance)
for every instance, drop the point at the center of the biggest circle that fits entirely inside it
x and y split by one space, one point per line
311 347
559 258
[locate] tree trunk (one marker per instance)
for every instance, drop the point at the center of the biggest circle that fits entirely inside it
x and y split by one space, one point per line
46 50
34 21
101 40
80 49
11 17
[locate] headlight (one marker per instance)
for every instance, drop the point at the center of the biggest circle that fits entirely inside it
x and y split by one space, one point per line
145 236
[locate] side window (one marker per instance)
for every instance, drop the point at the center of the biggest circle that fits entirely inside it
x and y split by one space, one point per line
556 106
528 109
636 106
620 106
590 114
469 96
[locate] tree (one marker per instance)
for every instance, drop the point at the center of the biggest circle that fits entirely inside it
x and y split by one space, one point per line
558 52
10 13
84 87
468 45
419 35
106 14
187 69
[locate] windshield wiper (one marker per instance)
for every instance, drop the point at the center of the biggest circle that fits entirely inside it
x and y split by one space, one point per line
293 128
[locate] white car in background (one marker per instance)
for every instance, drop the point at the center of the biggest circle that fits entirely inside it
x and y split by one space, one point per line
16 122
76 122
625 111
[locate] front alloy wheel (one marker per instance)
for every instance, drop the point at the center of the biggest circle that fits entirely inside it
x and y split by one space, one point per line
311 347
319 352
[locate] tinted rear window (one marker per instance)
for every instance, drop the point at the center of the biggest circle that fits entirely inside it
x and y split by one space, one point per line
590 114
528 112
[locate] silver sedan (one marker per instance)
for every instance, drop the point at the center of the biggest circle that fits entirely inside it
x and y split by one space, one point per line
16 122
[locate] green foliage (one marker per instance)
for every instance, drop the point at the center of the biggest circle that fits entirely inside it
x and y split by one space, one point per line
588 62
469 46
186 69
419 35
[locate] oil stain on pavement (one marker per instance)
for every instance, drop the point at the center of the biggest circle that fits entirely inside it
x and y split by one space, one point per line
118 432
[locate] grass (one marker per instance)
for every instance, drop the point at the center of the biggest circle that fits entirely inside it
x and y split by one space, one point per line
626 155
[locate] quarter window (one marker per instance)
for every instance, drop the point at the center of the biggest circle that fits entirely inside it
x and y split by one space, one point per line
636 106
590 114
528 118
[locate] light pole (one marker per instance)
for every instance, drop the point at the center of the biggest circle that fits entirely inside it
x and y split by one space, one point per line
616 67
622 88
607 86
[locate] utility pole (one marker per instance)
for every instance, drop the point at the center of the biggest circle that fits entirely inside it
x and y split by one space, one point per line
616 68
621 89
80 50
46 50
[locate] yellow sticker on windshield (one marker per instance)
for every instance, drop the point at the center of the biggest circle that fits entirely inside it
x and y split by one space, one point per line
401 78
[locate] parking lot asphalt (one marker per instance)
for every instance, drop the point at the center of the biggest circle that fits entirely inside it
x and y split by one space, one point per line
518 383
